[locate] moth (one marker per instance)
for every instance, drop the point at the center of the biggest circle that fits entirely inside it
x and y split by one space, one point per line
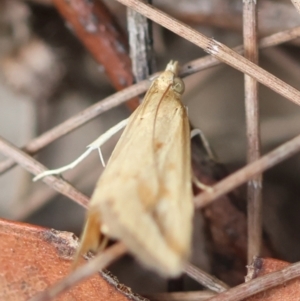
144 195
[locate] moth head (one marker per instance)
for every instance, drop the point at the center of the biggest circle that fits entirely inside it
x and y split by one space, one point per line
173 67
178 85
168 79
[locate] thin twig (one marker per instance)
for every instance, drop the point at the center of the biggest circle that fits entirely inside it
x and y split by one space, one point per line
79 119
279 37
33 166
246 173
140 44
215 48
283 152
254 192
234 294
205 279
101 35
76 279
259 284
118 98
296 4
274 157
41 195
98 263
210 61
63 187
43 2
98 31
227 15
181 296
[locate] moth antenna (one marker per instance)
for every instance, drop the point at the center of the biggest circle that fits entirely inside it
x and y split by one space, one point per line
94 145
91 237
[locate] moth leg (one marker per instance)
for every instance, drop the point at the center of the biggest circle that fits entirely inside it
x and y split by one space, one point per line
205 143
108 134
94 145
201 185
209 152
103 244
91 238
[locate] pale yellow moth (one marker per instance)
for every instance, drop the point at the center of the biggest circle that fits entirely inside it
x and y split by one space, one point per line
144 196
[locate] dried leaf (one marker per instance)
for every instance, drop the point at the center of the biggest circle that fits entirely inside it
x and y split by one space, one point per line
32 258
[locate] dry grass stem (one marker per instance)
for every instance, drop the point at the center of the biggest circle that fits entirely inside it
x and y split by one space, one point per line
118 98
96 264
94 34
259 284
215 48
102 37
210 61
140 45
79 119
246 173
181 296
34 167
208 281
279 37
296 4
254 191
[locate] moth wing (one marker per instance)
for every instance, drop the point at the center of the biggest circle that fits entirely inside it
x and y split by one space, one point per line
120 190
154 220
144 195
174 210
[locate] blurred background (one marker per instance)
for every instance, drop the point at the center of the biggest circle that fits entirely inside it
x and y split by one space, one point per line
47 76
